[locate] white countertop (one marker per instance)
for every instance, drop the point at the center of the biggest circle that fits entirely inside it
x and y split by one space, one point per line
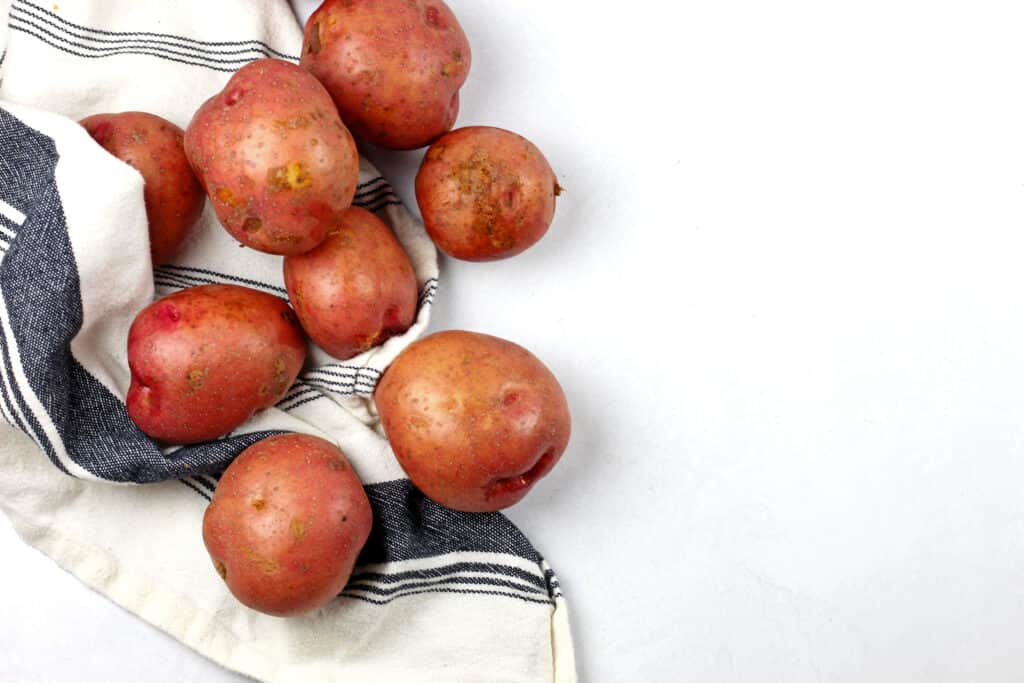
783 295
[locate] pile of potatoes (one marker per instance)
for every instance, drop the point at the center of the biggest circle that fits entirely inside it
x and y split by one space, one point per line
474 420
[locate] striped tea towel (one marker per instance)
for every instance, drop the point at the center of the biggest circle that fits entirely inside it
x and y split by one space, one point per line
437 595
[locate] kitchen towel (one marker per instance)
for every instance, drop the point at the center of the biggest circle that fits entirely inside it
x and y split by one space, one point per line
437 594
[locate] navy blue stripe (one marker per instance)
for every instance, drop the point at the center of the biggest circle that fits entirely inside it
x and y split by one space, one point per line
137 42
447 590
208 61
355 375
172 285
359 368
377 207
380 190
483 582
378 179
196 489
62 48
296 394
437 572
185 282
211 273
182 39
451 581
8 407
304 401
37 429
206 480
9 224
337 387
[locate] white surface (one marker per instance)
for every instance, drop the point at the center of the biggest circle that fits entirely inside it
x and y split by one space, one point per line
782 293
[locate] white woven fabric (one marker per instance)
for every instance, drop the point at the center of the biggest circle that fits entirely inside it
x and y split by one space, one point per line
438 595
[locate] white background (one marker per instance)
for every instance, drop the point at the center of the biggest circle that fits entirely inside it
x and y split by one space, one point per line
783 295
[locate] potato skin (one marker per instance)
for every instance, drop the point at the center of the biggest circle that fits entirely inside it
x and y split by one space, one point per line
485 193
286 524
153 146
474 420
356 289
204 359
274 157
393 67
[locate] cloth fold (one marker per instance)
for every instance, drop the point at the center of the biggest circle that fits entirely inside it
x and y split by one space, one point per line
437 594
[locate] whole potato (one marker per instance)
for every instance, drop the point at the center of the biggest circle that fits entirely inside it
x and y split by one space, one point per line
393 67
153 147
485 193
474 420
274 157
204 359
356 289
286 524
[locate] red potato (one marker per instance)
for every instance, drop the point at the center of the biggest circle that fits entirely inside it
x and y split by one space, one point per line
474 420
393 67
153 147
205 359
274 157
286 524
485 193
356 290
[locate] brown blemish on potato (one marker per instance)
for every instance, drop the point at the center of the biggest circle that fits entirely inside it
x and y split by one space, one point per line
369 340
226 196
558 189
258 503
266 565
284 238
197 377
291 176
502 242
293 123
263 390
221 569
280 374
143 399
252 224
449 68
314 45
416 422
298 529
345 237
335 464
435 152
